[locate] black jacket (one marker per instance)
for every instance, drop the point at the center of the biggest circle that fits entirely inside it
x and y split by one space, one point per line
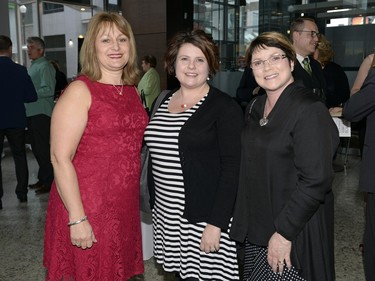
210 149
338 90
244 92
316 81
362 105
286 177
16 89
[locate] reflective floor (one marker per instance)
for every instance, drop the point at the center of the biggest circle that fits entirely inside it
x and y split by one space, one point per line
22 228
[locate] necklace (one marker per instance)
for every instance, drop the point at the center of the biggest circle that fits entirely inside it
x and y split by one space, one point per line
185 105
264 121
119 91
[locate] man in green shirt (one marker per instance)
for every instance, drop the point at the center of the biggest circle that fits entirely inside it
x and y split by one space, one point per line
39 113
150 82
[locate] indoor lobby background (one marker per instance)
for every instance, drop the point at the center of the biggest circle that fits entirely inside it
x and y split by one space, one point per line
348 24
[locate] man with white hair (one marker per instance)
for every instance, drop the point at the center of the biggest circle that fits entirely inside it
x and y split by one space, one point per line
42 74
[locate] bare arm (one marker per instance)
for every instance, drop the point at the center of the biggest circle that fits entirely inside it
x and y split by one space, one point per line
362 73
68 123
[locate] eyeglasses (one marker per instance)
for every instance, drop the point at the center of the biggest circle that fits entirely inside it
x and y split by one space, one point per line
257 64
312 33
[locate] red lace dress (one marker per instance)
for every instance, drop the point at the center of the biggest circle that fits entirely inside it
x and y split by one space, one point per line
107 163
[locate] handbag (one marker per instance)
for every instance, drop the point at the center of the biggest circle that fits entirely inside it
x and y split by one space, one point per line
144 192
144 102
145 163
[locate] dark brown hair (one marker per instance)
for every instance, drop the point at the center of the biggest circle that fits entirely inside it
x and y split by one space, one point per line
5 43
150 60
199 39
271 39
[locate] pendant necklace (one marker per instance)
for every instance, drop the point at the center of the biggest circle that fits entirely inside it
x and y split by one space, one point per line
119 91
184 105
264 121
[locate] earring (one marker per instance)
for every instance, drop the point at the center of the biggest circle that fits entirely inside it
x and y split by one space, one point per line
208 78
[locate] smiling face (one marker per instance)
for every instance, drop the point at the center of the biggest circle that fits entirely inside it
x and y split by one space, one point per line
304 40
274 77
192 68
112 49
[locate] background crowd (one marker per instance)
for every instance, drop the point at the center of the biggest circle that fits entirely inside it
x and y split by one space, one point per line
241 189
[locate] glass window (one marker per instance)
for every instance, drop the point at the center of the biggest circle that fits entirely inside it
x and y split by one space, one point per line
49 8
232 23
55 41
114 5
220 19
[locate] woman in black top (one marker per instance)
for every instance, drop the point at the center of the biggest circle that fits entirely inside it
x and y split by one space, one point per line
284 208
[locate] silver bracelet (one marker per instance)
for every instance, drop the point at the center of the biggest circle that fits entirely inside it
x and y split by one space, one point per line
77 222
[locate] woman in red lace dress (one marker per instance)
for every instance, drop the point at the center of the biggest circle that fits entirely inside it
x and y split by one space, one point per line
93 227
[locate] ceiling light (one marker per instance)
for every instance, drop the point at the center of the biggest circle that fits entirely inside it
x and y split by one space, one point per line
338 10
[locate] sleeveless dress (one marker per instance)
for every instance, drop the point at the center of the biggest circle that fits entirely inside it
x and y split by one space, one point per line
176 240
107 162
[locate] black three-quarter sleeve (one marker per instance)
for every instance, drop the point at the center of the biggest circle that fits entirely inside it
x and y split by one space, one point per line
315 140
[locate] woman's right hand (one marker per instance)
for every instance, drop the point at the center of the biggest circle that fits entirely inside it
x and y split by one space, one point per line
82 235
279 250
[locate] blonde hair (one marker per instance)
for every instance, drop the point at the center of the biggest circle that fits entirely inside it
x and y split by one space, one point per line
88 58
325 52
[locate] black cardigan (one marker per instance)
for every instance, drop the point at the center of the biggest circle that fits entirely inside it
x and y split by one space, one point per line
210 149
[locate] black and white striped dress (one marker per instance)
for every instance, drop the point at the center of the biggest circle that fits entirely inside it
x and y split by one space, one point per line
176 241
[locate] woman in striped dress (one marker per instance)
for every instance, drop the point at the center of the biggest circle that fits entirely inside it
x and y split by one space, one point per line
194 141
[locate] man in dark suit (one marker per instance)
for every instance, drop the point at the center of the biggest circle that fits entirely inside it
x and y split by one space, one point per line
245 90
362 105
16 89
304 34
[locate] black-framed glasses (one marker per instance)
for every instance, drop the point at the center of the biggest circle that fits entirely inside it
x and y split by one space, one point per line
312 33
275 59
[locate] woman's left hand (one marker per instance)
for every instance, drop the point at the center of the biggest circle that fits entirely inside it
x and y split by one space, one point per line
279 250
210 241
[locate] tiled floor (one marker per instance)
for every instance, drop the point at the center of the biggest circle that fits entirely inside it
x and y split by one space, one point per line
22 227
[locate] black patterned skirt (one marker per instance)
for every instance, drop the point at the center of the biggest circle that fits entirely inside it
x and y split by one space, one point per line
256 267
